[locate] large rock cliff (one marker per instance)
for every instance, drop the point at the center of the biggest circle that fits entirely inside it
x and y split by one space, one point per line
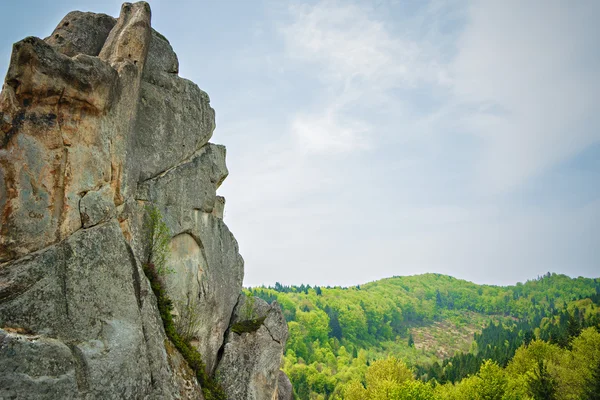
97 131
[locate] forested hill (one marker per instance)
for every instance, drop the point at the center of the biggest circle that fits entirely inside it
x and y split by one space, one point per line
443 328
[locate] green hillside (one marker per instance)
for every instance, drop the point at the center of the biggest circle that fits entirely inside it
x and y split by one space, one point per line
442 328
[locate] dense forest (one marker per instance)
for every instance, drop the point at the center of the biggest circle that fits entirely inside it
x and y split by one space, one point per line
436 337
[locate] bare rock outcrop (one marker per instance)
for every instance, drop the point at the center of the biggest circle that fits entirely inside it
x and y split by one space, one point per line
97 128
81 33
249 365
284 387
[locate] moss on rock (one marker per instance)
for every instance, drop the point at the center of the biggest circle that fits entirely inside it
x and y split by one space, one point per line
247 326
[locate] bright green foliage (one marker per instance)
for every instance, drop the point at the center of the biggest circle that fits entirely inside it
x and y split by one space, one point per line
336 333
355 391
578 370
491 382
159 238
389 379
415 390
592 391
389 369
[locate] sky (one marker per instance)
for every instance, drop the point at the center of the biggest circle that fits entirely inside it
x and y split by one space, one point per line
377 138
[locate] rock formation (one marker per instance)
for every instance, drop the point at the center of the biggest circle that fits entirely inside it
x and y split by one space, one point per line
258 332
97 128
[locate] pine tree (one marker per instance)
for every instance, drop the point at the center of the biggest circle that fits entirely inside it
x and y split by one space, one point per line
541 385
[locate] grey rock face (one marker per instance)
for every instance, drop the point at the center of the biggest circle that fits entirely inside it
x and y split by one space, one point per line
284 387
219 207
175 120
208 275
35 367
161 57
96 206
81 33
249 366
95 127
188 186
80 295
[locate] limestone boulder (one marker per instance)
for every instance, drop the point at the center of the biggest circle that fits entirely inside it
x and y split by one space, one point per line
81 33
161 57
187 188
66 135
284 387
175 120
206 279
96 206
81 293
36 367
249 367
207 269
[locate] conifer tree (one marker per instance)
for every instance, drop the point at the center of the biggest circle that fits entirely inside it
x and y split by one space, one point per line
541 384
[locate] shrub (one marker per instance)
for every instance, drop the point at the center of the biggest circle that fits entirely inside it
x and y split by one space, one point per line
159 238
210 388
189 319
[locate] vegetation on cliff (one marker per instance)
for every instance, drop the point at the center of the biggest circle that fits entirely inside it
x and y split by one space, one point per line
210 388
155 268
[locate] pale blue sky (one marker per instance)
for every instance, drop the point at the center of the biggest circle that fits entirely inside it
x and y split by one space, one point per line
391 137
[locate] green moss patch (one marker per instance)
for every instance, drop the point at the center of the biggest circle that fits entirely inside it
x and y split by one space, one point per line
247 326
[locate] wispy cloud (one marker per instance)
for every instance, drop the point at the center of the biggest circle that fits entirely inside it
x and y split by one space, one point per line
358 63
518 80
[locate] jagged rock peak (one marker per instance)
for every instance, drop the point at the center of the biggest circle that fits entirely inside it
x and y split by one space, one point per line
96 129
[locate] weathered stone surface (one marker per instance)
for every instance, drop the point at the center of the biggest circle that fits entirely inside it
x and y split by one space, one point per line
284 387
81 293
64 139
219 207
95 128
35 367
129 40
161 57
96 206
204 254
171 376
208 273
39 75
81 33
175 120
184 382
249 366
189 186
